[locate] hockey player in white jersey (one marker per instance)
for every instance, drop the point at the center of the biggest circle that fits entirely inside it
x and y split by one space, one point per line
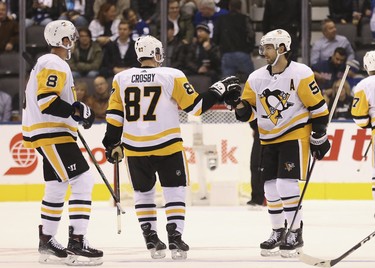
142 118
363 107
49 124
292 118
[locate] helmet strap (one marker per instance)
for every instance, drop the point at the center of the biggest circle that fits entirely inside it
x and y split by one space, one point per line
277 57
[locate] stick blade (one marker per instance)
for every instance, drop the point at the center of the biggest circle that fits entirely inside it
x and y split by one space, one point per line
310 260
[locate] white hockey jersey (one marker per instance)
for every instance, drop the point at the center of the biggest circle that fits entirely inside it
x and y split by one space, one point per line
363 107
50 78
145 102
284 102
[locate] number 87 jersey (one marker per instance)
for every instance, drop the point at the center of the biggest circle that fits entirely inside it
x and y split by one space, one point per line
144 103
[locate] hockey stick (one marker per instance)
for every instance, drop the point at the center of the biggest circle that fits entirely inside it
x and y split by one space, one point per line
364 157
101 172
117 189
309 172
329 263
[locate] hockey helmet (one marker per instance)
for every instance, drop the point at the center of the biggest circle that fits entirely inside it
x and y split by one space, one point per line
275 38
56 30
369 61
149 47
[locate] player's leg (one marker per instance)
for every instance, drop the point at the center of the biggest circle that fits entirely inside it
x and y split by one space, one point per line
142 174
173 176
56 185
269 160
69 164
293 165
79 216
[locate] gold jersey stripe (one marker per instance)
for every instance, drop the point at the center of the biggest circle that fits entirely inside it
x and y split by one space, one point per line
152 137
48 125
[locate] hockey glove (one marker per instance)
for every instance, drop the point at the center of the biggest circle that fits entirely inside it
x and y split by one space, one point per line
86 115
233 96
114 151
220 87
319 145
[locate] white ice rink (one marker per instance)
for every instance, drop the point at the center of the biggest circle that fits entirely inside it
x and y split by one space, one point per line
218 236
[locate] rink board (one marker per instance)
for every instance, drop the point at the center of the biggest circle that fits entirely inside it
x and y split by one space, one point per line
335 177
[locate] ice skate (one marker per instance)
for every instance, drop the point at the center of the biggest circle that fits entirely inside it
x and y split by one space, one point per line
292 245
82 253
178 247
154 245
50 250
270 247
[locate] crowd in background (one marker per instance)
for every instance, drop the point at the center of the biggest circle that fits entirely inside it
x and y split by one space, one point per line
208 39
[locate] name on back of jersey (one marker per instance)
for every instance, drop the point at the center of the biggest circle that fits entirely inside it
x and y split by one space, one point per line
142 78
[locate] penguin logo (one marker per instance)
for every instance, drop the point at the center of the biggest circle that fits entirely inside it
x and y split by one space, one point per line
274 103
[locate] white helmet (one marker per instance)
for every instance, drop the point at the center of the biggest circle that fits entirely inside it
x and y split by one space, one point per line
369 61
275 38
56 30
149 47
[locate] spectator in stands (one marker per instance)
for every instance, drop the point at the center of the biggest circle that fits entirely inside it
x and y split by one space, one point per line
105 27
8 31
75 13
14 12
120 6
183 26
98 102
176 50
208 13
188 7
328 71
138 26
344 11
86 56
324 47
148 10
286 16
16 108
203 57
5 107
120 54
235 56
344 103
82 91
45 11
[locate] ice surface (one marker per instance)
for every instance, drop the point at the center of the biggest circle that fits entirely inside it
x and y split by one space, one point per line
218 236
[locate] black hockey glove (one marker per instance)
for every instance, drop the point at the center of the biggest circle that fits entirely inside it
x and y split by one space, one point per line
113 151
319 145
233 96
221 87
86 115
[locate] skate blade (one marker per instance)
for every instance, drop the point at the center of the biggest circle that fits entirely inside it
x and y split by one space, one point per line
76 260
157 254
291 253
178 254
50 259
270 252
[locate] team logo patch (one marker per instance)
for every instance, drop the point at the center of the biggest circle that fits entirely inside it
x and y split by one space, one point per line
274 103
289 166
